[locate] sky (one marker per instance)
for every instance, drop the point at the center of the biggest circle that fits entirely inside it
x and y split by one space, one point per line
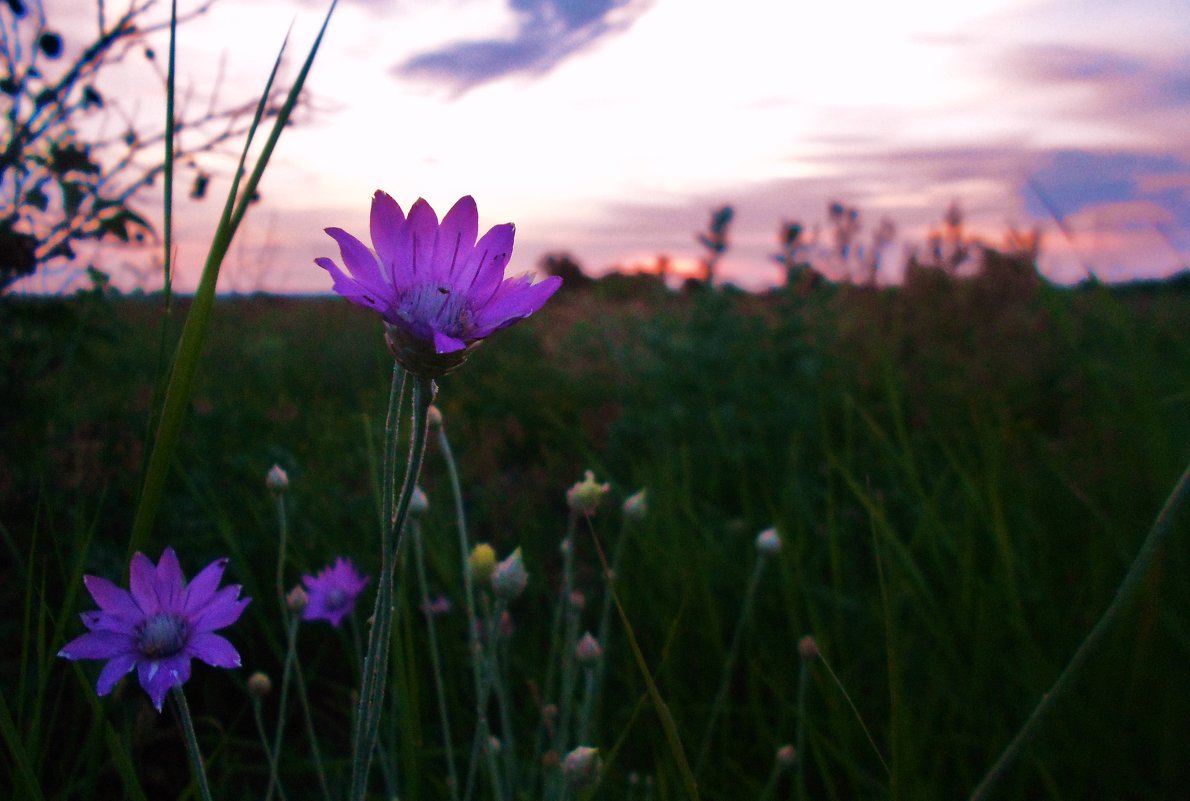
611 129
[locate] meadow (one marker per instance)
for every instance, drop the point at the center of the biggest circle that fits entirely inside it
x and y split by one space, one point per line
960 471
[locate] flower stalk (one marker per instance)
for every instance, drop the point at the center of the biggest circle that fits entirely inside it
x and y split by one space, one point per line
379 639
200 773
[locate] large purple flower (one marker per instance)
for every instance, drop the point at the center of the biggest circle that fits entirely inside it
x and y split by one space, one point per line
438 289
159 626
333 591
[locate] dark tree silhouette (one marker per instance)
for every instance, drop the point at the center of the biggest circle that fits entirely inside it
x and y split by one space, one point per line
74 158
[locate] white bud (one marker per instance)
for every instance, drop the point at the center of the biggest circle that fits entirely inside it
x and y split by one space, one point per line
768 542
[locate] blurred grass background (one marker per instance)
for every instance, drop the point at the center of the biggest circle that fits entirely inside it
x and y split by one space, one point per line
961 472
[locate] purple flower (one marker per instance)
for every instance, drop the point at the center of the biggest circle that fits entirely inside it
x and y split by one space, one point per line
159 626
438 289
333 591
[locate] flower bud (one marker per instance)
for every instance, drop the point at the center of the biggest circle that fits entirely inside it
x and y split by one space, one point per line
418 502
509 577
434 416
807 648
297 600
768 542
581 766
276 480
481 562
786 757
259 684
584 497
636 506
588 651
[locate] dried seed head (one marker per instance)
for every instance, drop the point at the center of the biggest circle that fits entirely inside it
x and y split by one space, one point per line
259 684
509 578
297 600
581 766
419 502
585 496
768 542
276 480
588 650
636 506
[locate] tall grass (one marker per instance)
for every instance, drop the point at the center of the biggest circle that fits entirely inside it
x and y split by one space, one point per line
961 472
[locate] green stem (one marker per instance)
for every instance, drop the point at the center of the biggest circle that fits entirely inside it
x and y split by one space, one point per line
319 769
1128 588
729 666
283 702
803 679
269 755
435 660
200 773
375 670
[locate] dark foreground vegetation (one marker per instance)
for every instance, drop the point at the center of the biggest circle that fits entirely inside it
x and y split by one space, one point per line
961 472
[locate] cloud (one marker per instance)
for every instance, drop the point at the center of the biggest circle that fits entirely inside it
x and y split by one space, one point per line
1123 82
547 33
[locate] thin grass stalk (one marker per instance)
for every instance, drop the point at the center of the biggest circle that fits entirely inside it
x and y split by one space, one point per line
200 773
475 649
855 711
668 726
553 654
566 699
185 365
283 700
435 660
1127 590
303 698
375 671
269 755
803 681
503 704
733 652
605 615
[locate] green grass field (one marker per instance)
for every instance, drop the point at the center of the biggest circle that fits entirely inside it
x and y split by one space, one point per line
961 474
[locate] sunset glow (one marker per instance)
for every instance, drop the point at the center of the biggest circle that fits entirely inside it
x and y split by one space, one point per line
610 128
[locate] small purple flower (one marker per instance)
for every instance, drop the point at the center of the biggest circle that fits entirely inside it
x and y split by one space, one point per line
333 591
438 289
159 626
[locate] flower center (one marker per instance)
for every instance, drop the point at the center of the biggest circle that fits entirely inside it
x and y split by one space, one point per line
162 635
336 598
439 307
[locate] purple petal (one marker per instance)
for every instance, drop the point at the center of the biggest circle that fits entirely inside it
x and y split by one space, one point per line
516 299
116 669
159 675
98 645
142 576
456 238
447 344
485 266
221 610
386 223
200 590
170 580
96 620
360 262
353 290
113 600
214 650
422 228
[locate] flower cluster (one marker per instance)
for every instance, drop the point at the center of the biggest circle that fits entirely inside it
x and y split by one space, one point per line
159 626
